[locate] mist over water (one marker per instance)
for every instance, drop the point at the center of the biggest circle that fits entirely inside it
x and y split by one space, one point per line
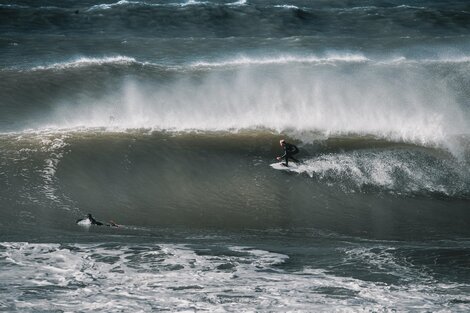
334 94
165 116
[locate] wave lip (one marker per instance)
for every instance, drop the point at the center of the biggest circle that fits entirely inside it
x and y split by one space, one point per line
287 6
107 6
283 59
458 59
123 3
331 58
85 61
238 3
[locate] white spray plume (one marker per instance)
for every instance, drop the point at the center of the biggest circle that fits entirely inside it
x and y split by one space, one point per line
396 102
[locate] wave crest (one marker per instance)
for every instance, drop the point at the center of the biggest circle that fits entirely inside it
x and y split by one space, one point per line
85 61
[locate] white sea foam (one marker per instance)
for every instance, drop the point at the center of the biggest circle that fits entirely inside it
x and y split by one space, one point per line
176 278
384 259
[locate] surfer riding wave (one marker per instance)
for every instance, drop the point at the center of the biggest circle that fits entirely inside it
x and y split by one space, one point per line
289 151
90 220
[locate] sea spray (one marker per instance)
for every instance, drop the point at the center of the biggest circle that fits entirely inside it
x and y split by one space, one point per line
396 102
165 116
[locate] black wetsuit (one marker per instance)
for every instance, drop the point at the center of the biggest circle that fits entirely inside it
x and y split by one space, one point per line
91 219
289 151
94 222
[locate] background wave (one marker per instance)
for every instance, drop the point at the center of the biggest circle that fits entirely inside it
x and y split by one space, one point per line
205 18
336 94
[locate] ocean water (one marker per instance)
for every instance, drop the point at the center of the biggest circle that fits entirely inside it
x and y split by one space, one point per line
165 116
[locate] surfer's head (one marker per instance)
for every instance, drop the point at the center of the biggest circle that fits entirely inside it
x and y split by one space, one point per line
89 215
282 142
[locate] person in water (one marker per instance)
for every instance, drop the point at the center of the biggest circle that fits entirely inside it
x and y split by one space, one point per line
91 219
289 151
95 222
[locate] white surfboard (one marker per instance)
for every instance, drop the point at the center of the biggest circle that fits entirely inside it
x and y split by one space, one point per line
84 222
281 166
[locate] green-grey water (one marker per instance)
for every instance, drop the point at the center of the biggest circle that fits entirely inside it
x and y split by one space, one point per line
166 116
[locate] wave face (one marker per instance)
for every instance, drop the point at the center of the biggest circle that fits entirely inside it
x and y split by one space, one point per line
220 180
165 116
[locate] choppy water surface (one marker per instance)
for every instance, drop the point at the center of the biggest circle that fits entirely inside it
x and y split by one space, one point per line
165 116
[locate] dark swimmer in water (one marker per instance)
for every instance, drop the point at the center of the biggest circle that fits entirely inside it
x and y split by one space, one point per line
90 220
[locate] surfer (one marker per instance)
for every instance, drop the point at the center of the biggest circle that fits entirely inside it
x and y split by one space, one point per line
92 221
289 151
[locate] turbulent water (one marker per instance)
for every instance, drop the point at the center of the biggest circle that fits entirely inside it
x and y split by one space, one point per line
165 117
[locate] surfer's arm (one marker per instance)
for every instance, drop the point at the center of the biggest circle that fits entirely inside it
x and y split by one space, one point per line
281 157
